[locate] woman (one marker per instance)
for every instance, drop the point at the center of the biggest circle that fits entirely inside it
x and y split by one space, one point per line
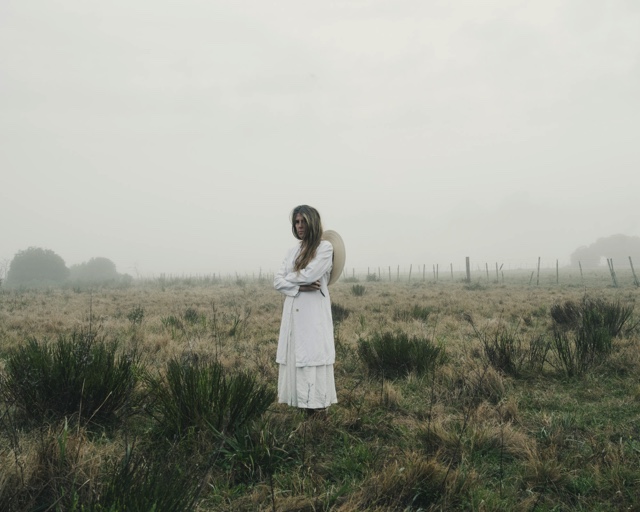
306 351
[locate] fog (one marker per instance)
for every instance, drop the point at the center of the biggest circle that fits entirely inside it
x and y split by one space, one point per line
176 137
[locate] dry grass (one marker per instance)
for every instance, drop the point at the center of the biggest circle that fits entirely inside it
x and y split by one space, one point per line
465 437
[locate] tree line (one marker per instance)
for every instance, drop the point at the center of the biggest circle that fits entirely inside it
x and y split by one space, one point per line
36 267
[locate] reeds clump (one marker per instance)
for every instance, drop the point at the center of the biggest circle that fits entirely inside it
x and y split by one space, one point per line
393 355
79 375
197 396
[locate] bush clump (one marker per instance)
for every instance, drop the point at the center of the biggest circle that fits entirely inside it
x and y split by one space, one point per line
393 355
358 290
197 396
36 267
339 312
79 375
583 332
418 312
509 351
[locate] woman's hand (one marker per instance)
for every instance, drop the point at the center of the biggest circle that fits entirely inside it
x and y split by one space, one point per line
312 287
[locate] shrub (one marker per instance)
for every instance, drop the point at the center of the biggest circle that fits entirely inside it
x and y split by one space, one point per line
358 290
418 312
36 266
372 277
136 315
583 332
578 352
339 313
139 483
592 314
79 375
194 395
95 270
508 351
191 315
392 355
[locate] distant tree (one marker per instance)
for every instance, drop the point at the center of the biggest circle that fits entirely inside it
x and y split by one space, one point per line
36 266
96 269
617 247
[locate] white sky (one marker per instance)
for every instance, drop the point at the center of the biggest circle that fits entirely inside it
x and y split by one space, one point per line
176 137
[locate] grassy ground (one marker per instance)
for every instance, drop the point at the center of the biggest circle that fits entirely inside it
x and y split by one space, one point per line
468 435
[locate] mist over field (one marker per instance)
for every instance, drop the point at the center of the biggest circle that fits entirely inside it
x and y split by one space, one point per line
176 137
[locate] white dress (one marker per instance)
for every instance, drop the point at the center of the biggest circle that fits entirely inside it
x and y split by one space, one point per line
306 350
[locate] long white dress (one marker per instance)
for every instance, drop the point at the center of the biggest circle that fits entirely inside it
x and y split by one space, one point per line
306 350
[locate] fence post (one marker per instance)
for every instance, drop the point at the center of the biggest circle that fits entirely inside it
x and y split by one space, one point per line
612 272
538 278
635 278
468 265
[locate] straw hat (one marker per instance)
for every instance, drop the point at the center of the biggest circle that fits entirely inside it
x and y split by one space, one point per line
339 254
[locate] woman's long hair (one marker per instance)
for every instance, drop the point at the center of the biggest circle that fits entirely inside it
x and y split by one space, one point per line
312 234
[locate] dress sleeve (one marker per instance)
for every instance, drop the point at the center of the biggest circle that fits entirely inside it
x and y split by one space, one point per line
317 267
281 284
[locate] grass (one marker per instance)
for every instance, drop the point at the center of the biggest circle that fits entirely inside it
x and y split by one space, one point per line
492 427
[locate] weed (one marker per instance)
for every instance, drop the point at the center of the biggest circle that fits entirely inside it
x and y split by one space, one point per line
194 396
339 313
79 375
392 355
507 350
358 290
136 315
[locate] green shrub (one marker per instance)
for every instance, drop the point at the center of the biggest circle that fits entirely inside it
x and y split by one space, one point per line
581 350
583 332
192 316
508 351
194 396
78 375
140 483
418 312
373 277
136 315
339 313
392 355
592 314
358 290
172 322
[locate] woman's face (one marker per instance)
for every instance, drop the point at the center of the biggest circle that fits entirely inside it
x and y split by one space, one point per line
301 225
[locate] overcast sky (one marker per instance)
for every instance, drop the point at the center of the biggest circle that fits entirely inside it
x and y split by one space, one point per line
176 137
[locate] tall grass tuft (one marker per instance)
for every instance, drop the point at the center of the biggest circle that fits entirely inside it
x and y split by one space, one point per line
358 290
339 312
393 355
79 375
417 312
592 314
195 396
583 332
141 483
507 350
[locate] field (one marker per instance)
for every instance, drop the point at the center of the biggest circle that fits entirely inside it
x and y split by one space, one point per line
509 414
